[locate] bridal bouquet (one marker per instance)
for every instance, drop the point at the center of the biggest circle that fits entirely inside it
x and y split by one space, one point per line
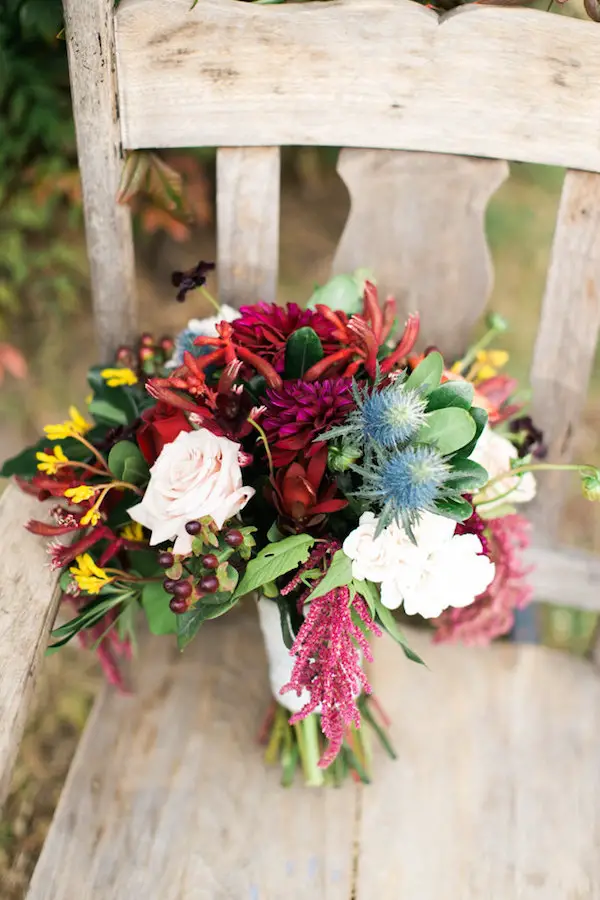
306 458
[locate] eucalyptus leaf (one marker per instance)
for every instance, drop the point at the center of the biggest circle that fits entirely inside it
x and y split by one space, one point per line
302 350
457 508
427 374
273 561
451 393
448 429
126 463
480 417
343 292
467 476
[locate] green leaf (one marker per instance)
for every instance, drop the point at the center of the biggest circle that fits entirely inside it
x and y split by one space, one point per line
212 607
454 508
368 591
302 350
339 574
274 560
451 393
449 429
155 602
467 476
427 374
126 463
285 620
387 621
105 412
343 292
480 417
188 625
24 463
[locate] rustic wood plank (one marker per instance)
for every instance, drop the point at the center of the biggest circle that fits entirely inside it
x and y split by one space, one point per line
248 181
89 26
168 795
498 767
28 603
222 74
565 576
417 219
567 336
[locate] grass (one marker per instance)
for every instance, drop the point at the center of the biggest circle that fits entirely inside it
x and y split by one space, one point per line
520 224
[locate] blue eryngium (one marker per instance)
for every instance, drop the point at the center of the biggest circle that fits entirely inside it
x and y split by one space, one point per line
393 415
411 480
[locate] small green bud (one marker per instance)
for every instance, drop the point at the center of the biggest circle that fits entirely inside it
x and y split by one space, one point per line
497 322
590 484
341 458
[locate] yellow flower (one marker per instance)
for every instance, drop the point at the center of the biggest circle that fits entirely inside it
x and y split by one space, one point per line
89 577
51 462
119 377
133 531
81 493
91 517
488 363
74 426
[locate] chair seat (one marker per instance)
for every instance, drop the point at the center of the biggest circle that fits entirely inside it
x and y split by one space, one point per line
495 793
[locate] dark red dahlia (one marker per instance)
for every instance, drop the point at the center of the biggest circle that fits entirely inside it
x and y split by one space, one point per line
265 327
298 412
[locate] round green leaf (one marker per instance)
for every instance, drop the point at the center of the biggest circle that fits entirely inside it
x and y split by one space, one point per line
427 374
452 393
449 429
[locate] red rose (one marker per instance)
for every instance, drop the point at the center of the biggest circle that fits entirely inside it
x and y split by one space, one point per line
162 424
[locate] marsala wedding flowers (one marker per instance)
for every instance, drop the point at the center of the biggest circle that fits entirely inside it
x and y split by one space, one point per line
306 457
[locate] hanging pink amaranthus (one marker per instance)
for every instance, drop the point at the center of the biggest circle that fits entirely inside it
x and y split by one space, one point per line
328 664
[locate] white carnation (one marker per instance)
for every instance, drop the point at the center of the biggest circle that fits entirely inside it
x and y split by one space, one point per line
496 454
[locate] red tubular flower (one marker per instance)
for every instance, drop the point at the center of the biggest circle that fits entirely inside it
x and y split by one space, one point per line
328 664
496 392
405 345
302 496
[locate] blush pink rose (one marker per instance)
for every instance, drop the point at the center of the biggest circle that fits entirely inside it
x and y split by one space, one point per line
196 475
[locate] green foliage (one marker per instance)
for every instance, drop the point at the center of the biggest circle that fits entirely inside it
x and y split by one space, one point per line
448 429
387 621
155 602
339 574
273 561
126 463
302 350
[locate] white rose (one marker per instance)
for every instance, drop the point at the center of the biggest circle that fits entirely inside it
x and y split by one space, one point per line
495 453
196 475
370 556
443 569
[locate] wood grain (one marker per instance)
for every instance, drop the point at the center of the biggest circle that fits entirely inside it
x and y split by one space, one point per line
565 576
497 787
28 602
502 83
417 220
567 337
168 796
89 26
248 180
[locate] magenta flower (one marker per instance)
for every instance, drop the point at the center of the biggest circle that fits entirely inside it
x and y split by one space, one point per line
265 327
327 650
298 412
493 612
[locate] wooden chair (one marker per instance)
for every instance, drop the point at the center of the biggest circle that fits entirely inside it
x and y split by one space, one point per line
496 793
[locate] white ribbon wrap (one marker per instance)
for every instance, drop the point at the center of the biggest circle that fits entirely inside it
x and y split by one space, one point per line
278 656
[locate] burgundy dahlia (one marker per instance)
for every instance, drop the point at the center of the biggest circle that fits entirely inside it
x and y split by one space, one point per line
299 412
265 327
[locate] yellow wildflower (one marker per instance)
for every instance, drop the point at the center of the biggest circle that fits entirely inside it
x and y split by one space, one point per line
133 531
488 363
74 426
119 377
89 577
51 462
81 493
91 517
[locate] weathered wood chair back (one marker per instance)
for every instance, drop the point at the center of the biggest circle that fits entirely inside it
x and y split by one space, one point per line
428 110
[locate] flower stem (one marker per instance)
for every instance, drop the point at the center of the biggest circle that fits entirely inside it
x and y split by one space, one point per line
533 467
307 731
481 344
208 296
263 438
92 449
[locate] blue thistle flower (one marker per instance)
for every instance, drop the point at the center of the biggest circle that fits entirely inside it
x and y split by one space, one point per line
393 416
412 479
184 342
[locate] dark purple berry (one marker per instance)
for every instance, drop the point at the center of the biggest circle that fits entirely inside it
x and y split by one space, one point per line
178 605
165 559
210 561
193 527
169 585
234 538
182 589
209 584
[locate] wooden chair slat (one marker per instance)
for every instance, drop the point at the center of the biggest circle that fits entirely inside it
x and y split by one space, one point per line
169 797
565 576
28 602
248 189
89 27
567 336
222 74
417 220
498 767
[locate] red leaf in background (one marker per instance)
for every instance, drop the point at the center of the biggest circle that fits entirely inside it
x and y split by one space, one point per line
13 362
